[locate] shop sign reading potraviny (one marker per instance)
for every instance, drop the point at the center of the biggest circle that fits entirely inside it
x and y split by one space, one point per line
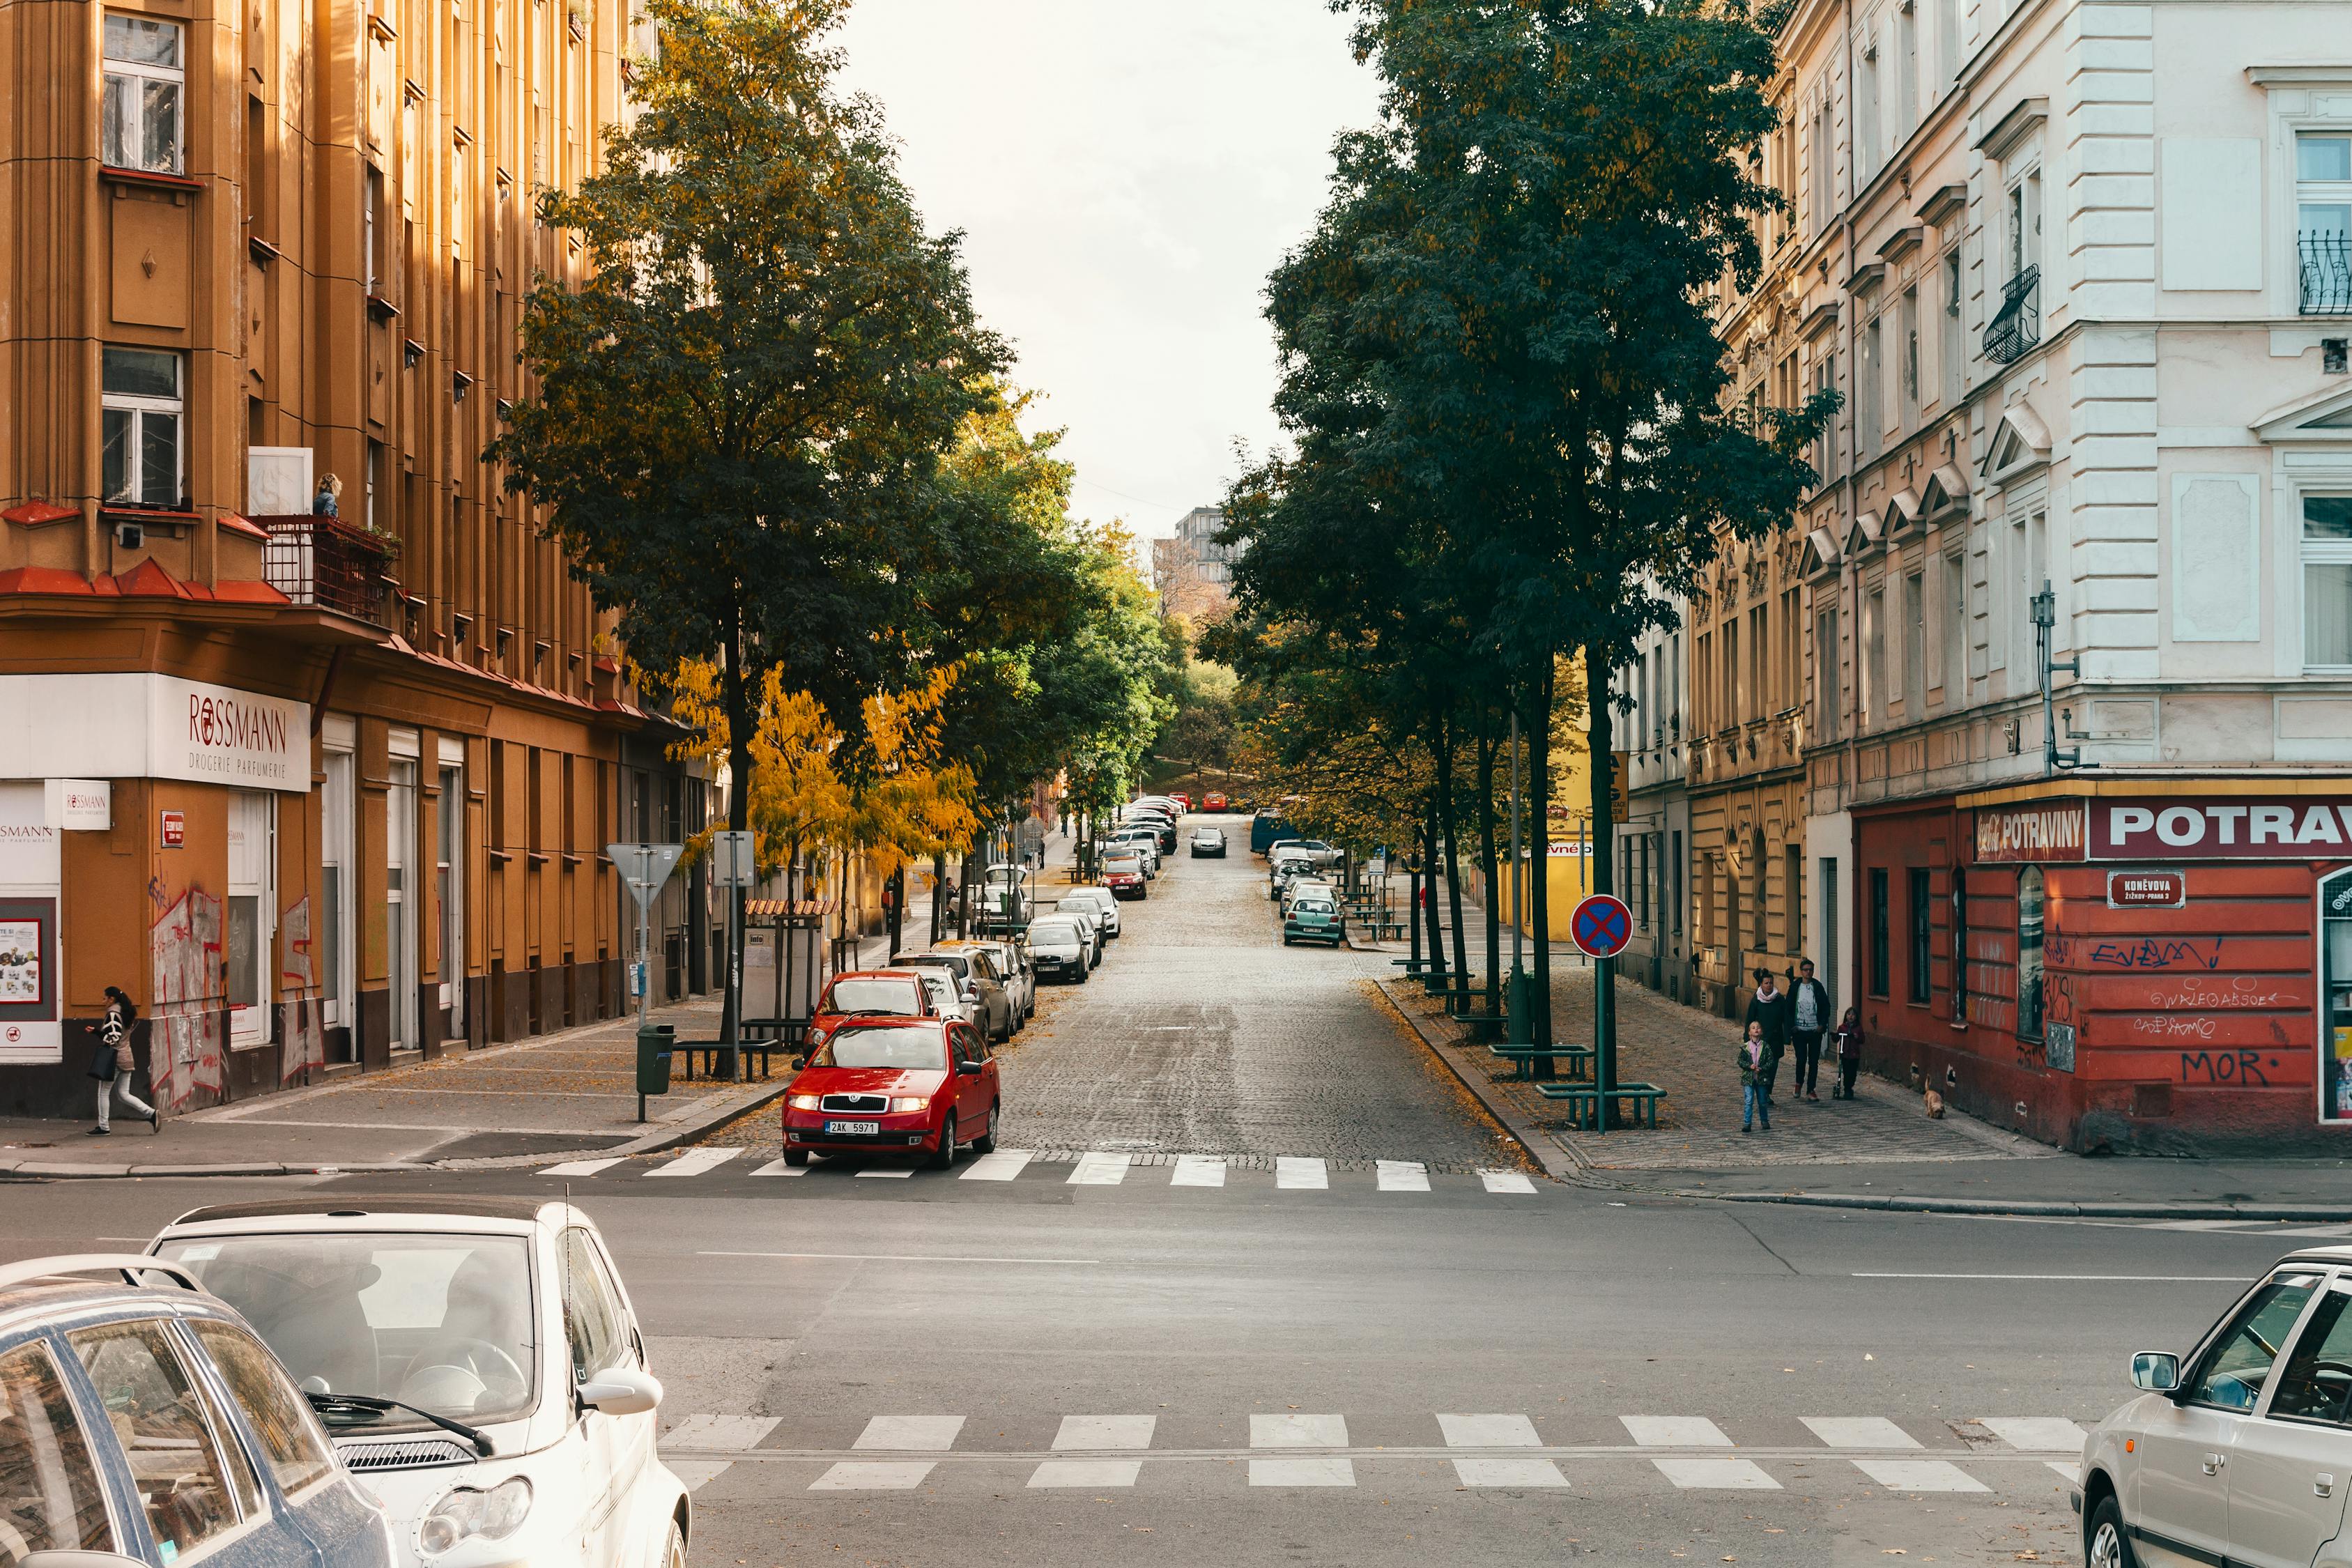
2221 827
2045 830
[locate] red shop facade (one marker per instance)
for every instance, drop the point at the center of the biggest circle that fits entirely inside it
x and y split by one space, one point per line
2157 965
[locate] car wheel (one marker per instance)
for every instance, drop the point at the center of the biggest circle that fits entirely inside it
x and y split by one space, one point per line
2106 1543
674 1554
944 1155
986 1143
796 1156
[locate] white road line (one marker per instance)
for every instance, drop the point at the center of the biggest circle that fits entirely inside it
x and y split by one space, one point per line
1001 1166
2036 1432
1506 1180
1489 1432
1402 1175
2078 1278
1717 1475
1106 1432
1302 1473
695 1473
1920 1475
888 1173
724 1433
1078 1473
1300 1175
2313 1230
1676 1432
1100 1170
778 1168
890 1258
2204 1225
580 1167
852 1476
694 1161
910 1433
2073 1472
1289 1431
1508 1473
1198 1171
1859 1432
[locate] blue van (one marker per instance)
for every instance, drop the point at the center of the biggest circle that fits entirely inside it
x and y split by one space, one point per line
1268 828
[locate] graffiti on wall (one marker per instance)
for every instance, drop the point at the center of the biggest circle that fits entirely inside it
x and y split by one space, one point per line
2243 1069
2138 953
184 1035
305 1041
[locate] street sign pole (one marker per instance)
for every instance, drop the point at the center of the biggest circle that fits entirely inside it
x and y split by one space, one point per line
644 868
732 869
1602 926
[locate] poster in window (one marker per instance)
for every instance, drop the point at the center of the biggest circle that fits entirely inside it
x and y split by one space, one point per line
20 963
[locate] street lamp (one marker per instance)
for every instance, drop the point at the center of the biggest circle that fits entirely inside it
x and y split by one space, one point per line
2045 624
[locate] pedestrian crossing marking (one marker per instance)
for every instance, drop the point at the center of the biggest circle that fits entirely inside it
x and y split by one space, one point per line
1920 1475
888 1173
697 1473
1106 1432
1100 1170
1319 1472
1508 1473
721 1431
1300 1175
1676 1432
910 1433
1001 1166
1077 1473
580 1168
1717 1475
778 1168
1402 1176
1506 1180
2033 1432
866 1476
1489 1432
2073 1472
1289 1431
1859 1432
694 1161
1198 1171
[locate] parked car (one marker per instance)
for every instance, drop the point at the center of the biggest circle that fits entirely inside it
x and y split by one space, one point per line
895 1084
947 998
1306 885
1005 899
1314 917
1214 801
1284 870
1090 923
1123 875
870 993
976 983
1208 844
476 1359
1183 798
1267 829
142 1422
1008 957
1100 901
2239 1451
1144 840
1316 851
1061 948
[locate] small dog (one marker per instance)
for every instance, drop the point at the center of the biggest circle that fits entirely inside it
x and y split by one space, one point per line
1934 1106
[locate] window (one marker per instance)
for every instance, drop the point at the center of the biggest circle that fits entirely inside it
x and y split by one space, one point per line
594 1323
337 809
50 1498
2232 1374
1874 672
291 1437
2025 222
1827 701
1824 199
1674 884
1948 41
1951 352
1792 886
1866 111
1922 925
143 410
1735 707
142 122
2029 953
1959 944
1906 81
1831 942
1878 931
2327 581
1954 676
2313 1386
252 909
2323 223
449 893
2028 548
164 1430
1759 685
1914 648
1869 408
1907 347
1825 446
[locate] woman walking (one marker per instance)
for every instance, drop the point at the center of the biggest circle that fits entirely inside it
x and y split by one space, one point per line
112 1064
1847 1043
1755 1063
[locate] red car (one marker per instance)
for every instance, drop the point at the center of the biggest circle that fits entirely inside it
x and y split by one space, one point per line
882 1085
1214 802
870 993
1181 798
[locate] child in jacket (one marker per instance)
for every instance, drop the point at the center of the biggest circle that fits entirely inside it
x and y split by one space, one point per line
1847 1044
1754 1076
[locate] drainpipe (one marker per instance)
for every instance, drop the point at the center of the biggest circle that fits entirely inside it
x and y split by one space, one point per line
1846 488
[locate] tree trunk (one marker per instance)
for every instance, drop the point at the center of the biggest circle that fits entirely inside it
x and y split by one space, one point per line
1446 813
1539 855
1435 968
939 894
1487 867
898 909
1599 671
743 723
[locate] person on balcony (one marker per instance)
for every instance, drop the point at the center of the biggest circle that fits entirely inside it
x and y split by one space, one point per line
330 496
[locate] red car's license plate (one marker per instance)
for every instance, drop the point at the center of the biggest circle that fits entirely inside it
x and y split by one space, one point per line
853 1129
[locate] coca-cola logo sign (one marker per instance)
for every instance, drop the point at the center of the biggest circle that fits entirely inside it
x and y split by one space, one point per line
2231 827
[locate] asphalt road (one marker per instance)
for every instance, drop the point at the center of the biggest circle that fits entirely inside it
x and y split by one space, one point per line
1284 1372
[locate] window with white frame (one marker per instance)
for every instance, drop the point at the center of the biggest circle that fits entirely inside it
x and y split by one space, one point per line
140 426
1873 670
1947 43
1907 69
1866 110
142 120
2323 209
1821 161
1906 344
1829 701
1869 406
1951 350
1955 673
2023 220
2328 582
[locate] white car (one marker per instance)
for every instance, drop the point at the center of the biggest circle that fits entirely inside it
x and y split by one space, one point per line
476 1360
2240 1451
1012 970
1099 900
1143 840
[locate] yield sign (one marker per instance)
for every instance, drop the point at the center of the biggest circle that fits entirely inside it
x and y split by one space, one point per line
644 866
1602 925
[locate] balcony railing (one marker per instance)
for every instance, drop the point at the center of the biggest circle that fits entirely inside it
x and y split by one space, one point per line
2326 274
2018 326
330 564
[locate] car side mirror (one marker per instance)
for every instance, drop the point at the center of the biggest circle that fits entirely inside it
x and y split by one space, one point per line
968 1068
799 1062
621 1391
2157 1371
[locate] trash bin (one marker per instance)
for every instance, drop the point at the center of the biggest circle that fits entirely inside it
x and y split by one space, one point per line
655 1044
1519 1005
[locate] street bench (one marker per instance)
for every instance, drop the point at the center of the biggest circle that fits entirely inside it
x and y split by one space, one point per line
713 1057
1584 1101
1578 1057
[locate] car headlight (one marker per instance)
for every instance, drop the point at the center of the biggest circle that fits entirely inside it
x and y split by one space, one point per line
465 1512
905 1102
808 1103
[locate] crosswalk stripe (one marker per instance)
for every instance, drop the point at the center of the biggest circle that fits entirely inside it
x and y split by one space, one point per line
1717 1475
1100 1170
2073 1472
2033 1432
1402 1176
1198 1171
1489 1432
1508 1473
888 1173
862 1476
2315 1230
1859 1432
1001 1166
778 1168
1920 1475
910 1433
1506 1180
694 1161
1289 1431
1106 1432
1299 1173
1318 1472
580 1168
721 1431
697 1473
1676 1432
1087 1473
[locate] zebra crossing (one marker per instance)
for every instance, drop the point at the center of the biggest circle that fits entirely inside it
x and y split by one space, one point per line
1088 1168
1500 1451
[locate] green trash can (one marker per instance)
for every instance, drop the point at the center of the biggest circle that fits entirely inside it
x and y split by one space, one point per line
655 1044
1519 1005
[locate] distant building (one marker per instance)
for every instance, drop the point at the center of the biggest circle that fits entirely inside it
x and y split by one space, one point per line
1192 572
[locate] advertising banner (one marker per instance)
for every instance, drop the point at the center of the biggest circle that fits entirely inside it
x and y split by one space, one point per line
2220 828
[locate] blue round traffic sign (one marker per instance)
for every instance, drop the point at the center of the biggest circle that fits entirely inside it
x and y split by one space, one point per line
1602 925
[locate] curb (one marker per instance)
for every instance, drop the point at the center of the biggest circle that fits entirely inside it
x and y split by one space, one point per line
52 1170
2312 1213
1556 1162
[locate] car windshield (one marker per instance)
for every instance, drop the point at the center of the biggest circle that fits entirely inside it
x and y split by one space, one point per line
942 991
895 996
953 962
1054 933
918 1049
438 1321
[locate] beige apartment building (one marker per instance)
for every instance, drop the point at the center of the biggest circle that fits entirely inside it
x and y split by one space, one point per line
320 793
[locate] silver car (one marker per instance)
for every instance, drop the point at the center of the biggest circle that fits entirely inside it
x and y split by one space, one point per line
1012 970
975 983
1099 900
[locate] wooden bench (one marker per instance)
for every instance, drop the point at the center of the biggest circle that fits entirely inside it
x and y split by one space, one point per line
1584 1101
713 1056
1578 1057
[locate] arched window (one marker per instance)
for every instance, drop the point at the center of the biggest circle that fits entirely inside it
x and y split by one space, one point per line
2029 953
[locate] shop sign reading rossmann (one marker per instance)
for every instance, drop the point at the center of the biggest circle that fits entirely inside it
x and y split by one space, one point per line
2221 827
137 725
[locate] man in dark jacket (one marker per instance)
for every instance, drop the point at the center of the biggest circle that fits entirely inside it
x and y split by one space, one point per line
1808 1017
1769 1007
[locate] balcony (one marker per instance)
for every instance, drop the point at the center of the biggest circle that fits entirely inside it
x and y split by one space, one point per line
2325 285
2018 326
328 564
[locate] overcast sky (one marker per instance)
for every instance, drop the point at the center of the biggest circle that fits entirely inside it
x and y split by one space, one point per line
1126 173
